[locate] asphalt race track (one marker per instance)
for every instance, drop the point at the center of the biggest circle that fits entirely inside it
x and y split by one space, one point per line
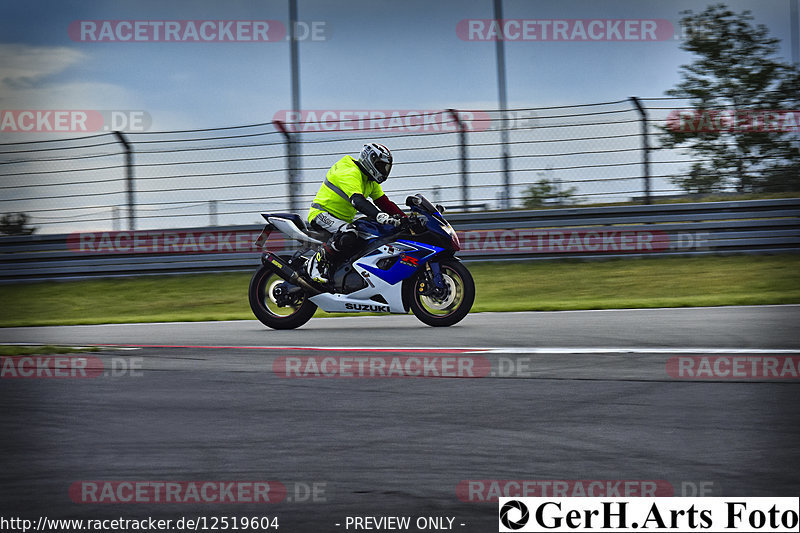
383 416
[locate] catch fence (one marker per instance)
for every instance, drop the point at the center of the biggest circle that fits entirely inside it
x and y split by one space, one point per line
559 156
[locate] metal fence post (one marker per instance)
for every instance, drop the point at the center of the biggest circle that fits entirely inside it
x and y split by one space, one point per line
212 213
501 93
294 148
645 148
128 179
291 160
795 31
462 141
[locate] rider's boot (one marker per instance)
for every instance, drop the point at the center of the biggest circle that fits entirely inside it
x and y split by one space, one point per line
342 242
319 266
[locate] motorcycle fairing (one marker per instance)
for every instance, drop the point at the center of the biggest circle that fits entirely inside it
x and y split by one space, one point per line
409 261
289 225
380 282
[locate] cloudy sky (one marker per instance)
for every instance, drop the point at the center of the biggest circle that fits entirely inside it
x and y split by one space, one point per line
376 54
227 64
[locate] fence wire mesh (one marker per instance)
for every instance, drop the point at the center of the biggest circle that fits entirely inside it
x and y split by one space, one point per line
564 155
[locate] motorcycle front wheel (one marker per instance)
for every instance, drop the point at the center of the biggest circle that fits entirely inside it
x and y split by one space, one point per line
263 302
449 308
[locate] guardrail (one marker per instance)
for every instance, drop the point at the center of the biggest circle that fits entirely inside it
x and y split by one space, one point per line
756 226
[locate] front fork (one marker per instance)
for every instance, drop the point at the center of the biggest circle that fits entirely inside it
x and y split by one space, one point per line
434 284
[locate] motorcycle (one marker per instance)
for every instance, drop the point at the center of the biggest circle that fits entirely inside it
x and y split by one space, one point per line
412 267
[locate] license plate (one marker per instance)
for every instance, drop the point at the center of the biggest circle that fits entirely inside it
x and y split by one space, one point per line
262 239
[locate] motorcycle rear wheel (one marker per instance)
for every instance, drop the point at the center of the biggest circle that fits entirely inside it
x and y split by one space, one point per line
266 309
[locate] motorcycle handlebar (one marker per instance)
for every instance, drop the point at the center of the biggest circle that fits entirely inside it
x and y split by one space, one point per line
414 222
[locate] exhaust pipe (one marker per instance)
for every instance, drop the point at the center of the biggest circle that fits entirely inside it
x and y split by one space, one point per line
282 269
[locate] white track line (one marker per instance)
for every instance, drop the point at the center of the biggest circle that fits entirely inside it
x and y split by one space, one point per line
469 350
466 350
644 350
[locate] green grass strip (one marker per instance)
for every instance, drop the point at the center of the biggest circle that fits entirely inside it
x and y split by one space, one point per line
15 350
501 286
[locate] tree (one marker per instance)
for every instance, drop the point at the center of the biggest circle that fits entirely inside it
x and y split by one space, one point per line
15 224
744 126
545 192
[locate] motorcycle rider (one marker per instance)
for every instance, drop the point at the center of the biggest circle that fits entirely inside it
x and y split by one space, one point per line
347 185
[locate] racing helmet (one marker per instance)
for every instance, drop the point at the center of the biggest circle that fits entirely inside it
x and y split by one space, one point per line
376 161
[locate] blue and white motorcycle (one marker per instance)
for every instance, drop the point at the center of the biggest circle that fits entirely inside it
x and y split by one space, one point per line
399 269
